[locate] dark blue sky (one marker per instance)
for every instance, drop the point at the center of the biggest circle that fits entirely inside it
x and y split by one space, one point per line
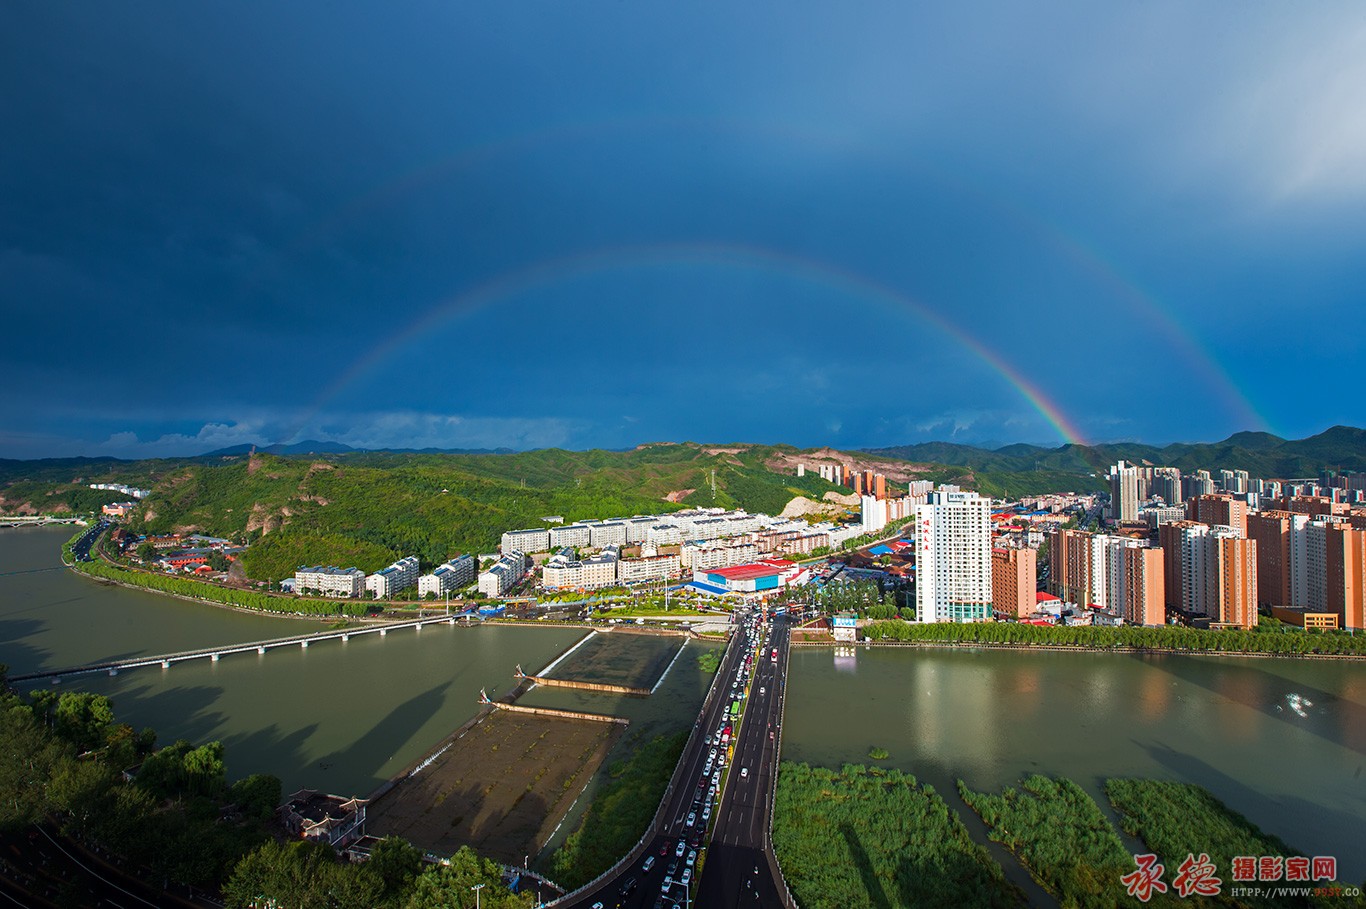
529 223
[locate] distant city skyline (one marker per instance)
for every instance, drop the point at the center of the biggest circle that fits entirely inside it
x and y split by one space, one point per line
484 226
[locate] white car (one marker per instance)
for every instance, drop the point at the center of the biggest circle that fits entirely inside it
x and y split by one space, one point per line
744 773
687 876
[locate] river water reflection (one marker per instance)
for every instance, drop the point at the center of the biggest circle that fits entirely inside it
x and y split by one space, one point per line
342 717
1281 741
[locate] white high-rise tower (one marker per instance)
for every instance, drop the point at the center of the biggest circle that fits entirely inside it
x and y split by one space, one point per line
953 558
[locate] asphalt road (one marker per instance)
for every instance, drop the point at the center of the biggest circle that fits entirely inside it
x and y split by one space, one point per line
686 797
81 548
737 872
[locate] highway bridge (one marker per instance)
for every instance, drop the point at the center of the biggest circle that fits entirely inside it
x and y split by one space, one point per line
740 869
38 520
164 660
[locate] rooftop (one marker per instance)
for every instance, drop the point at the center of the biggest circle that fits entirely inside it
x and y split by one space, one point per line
745 572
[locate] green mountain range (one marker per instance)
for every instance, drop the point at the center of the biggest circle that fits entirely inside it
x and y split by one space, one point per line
367 508
1261 454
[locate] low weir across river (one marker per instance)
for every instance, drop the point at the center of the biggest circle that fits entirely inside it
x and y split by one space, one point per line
114 667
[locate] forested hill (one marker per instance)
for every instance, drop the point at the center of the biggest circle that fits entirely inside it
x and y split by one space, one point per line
366 508
1261 454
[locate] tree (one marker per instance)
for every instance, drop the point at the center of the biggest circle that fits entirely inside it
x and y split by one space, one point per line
448 886
258 795
27 757
298 875
146 551
81 790
394 864
82 718
204 768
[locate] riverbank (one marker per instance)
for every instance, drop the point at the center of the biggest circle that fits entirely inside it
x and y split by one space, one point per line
1063 648
1132 639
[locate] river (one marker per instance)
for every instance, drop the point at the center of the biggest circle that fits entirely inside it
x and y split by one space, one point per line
1281 741
340 717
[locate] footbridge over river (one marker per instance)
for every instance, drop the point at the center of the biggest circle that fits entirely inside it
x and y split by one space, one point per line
114 667
36 520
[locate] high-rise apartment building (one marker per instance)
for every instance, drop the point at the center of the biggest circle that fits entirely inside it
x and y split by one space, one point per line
953 558
1337 571
1197 484
1144 595
1069 565
1314 506
1124 495
1014 581
1166 485
1233 591
873 513
1117 573
1219 509
1282 557
1211 571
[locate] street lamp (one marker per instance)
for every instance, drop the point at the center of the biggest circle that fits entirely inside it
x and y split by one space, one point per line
476 888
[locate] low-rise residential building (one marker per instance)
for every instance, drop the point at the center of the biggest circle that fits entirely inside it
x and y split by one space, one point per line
638 528
124 489
504 574
664 535
592 573
716 555
654 568
602 534
330 581
449 577
533 540
569 535
390 580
